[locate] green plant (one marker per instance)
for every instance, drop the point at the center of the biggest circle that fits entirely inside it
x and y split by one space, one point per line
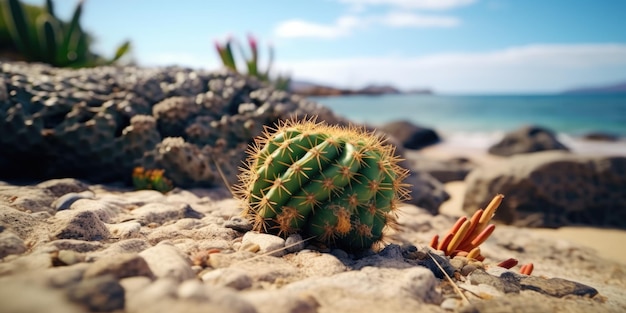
466 236
42 37
151 179
252 61
339 185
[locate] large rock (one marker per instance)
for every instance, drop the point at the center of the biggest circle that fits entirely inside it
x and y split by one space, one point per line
553 189
445 171
527 139
410 135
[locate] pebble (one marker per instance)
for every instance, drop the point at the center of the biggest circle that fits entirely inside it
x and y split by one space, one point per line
82 225
99 294
165 261
65 201
124 265
160 213
294 243
239 224
10 243
228 277
268 244
147 266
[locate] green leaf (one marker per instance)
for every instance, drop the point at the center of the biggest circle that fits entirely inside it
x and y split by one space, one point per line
121 51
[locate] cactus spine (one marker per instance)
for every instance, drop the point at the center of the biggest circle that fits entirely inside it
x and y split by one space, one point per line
340 185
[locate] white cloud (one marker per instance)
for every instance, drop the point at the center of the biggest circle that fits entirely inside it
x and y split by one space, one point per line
533 68
411 4
299 28
408 19
346 24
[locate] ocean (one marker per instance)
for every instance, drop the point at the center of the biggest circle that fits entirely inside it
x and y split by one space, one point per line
477 121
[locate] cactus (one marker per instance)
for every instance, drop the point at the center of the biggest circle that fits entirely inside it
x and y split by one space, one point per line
340 185
151 179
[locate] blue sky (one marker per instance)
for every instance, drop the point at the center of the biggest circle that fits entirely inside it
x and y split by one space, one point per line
452 46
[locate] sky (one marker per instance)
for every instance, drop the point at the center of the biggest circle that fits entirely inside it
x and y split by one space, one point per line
450 46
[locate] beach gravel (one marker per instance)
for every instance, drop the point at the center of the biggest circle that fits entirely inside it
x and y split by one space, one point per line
197 262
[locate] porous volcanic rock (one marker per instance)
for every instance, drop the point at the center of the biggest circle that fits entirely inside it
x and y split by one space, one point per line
410 135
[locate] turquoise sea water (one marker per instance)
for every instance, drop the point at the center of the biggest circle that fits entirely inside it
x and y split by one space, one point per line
570 115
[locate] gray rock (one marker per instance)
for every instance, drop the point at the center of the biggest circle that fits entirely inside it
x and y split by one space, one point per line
507 282
160 213
99 294
294 243
166 261
10 243
266 242
239 224
557 287
426 191
410 135
65 201
82 225
552 189
122 266
454 169
527 139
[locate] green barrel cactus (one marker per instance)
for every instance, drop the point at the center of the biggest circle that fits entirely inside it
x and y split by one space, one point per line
340 185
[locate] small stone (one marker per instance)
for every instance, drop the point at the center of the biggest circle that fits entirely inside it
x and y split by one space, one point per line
267 243
10 243
125 230
557 287
504 283
250 246
160 213
83 225
124 265
294 243
100 294
69 257
65 201
457 263
166 261
228 277
468 269
239 224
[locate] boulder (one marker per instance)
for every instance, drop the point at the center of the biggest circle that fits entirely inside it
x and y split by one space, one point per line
525 140
410 135
552 188
445 171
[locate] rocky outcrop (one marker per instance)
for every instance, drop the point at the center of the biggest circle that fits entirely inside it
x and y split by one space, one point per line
410 135
445 171
553 188
525 140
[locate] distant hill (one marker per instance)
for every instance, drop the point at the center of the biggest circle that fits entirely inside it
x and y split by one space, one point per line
313 89
608 89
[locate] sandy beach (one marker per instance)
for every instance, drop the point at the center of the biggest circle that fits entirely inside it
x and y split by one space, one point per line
601 239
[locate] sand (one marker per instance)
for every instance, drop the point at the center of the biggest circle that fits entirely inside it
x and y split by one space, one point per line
604 241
